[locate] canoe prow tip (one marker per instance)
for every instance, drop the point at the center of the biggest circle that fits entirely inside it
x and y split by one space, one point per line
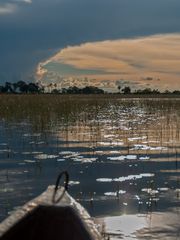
62 217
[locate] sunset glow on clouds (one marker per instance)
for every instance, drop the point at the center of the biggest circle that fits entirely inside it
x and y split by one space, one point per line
152 61
32 31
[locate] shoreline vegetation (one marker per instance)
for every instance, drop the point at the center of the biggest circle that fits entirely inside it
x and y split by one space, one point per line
22 87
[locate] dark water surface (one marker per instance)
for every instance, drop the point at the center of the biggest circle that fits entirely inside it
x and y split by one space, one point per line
122 156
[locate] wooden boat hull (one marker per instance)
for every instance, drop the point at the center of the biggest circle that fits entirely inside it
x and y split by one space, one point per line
41 219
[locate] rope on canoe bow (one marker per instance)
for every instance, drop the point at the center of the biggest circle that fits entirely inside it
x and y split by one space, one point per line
64 189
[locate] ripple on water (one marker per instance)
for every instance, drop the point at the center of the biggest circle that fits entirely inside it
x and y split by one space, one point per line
146 147
111 143
123 157
72 183
114 194
126 178
46 156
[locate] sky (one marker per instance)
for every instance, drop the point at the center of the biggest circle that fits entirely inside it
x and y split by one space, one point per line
106 43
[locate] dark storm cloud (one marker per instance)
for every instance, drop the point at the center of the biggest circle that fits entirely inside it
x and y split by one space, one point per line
31 32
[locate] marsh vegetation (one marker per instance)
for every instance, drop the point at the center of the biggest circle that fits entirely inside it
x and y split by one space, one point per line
122 155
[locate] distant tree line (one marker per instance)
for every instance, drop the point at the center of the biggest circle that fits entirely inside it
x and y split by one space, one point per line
35 88
20 87
23 87
147 91
76 90
155 91
127 90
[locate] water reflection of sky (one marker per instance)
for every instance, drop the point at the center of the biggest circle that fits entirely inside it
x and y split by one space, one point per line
122 160
156 225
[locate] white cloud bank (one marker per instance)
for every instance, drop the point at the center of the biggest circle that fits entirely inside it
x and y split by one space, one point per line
23 1
152 61
11 6
7 8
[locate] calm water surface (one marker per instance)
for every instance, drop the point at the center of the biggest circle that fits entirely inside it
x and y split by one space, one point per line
122 156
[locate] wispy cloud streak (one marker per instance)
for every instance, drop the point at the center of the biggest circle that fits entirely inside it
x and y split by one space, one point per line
7 8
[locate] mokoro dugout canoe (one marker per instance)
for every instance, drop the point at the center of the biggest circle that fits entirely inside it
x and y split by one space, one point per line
44 219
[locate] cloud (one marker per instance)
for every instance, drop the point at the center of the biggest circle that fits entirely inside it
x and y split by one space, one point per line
33 32
7 8
11 6
148 58
23 1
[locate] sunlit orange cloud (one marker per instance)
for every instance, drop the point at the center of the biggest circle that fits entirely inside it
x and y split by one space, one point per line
155 58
